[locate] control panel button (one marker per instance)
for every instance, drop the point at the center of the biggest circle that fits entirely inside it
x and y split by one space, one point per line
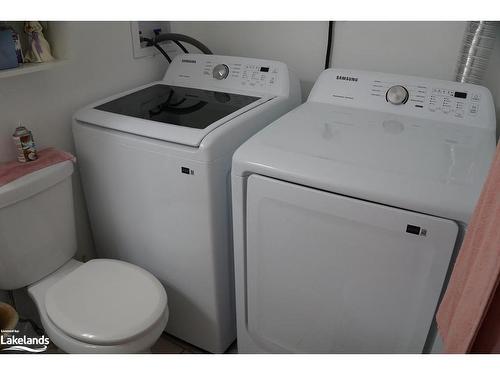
474 108
220 71
397 95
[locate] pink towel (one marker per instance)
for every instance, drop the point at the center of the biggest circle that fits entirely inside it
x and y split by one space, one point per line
13 170
469 315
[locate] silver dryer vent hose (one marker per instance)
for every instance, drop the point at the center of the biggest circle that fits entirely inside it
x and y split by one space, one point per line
477 46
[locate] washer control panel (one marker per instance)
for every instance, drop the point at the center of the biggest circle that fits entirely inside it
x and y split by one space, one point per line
229 73
245 74
427 98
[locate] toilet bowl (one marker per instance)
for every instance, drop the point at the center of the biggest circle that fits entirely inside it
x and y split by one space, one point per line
101 306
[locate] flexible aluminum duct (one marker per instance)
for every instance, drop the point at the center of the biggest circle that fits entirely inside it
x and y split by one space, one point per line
478 43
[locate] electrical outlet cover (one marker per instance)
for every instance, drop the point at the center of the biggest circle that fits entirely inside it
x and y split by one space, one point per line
146 29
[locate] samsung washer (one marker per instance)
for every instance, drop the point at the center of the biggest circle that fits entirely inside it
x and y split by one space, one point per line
347 211
155 165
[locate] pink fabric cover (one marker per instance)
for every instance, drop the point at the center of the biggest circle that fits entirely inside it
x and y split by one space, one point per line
469 315
13 170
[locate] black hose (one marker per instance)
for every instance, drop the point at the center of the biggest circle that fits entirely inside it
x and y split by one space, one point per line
181 46
155 44
329 45
183 38
177 39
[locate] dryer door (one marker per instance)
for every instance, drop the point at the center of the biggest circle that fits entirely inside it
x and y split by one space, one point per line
332 274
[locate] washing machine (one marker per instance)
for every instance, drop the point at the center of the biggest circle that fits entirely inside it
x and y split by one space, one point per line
155 167
348 210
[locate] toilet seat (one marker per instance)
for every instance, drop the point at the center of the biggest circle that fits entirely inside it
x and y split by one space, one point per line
105 302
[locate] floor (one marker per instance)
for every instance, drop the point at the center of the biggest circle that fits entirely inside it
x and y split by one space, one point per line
166 344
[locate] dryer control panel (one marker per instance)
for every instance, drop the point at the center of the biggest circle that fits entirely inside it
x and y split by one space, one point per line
434 98
229 73
407 95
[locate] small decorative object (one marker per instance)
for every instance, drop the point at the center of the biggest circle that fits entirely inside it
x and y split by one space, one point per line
38 47
19 50
8 57
8 320
23 139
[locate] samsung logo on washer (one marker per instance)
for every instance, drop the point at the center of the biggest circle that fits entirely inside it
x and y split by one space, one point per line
346 78
189 61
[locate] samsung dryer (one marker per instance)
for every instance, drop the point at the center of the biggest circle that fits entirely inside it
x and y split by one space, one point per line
155 165
347 211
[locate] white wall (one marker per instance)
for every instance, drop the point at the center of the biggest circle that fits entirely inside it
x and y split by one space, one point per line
100 64
428 49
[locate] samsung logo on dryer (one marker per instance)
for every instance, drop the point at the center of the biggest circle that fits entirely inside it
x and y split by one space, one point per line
347 78
189 61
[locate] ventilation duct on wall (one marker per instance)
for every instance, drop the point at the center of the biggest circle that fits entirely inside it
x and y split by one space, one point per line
478 43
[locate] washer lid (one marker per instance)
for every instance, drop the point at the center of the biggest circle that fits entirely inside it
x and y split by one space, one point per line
170 113
106 302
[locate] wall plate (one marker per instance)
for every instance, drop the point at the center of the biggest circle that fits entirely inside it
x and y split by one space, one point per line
146 28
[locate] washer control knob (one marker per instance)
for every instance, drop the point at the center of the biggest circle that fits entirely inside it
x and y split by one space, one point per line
220 71
397 95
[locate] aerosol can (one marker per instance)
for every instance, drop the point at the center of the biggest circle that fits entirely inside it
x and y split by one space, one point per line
23 139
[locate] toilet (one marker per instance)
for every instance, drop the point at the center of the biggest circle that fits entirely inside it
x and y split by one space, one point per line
101 306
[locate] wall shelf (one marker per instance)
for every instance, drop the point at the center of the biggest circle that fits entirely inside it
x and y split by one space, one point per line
30 68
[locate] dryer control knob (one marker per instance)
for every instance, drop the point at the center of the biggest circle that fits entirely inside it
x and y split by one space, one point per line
397 95
220 71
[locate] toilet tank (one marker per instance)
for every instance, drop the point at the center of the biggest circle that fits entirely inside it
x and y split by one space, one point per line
37 225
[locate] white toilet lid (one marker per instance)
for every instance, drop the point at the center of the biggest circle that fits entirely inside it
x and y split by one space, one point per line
106 302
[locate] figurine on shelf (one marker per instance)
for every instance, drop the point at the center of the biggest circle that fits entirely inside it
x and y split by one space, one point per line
38 47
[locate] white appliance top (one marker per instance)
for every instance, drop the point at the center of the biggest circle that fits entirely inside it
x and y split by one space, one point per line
106 302
197 94
425 145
